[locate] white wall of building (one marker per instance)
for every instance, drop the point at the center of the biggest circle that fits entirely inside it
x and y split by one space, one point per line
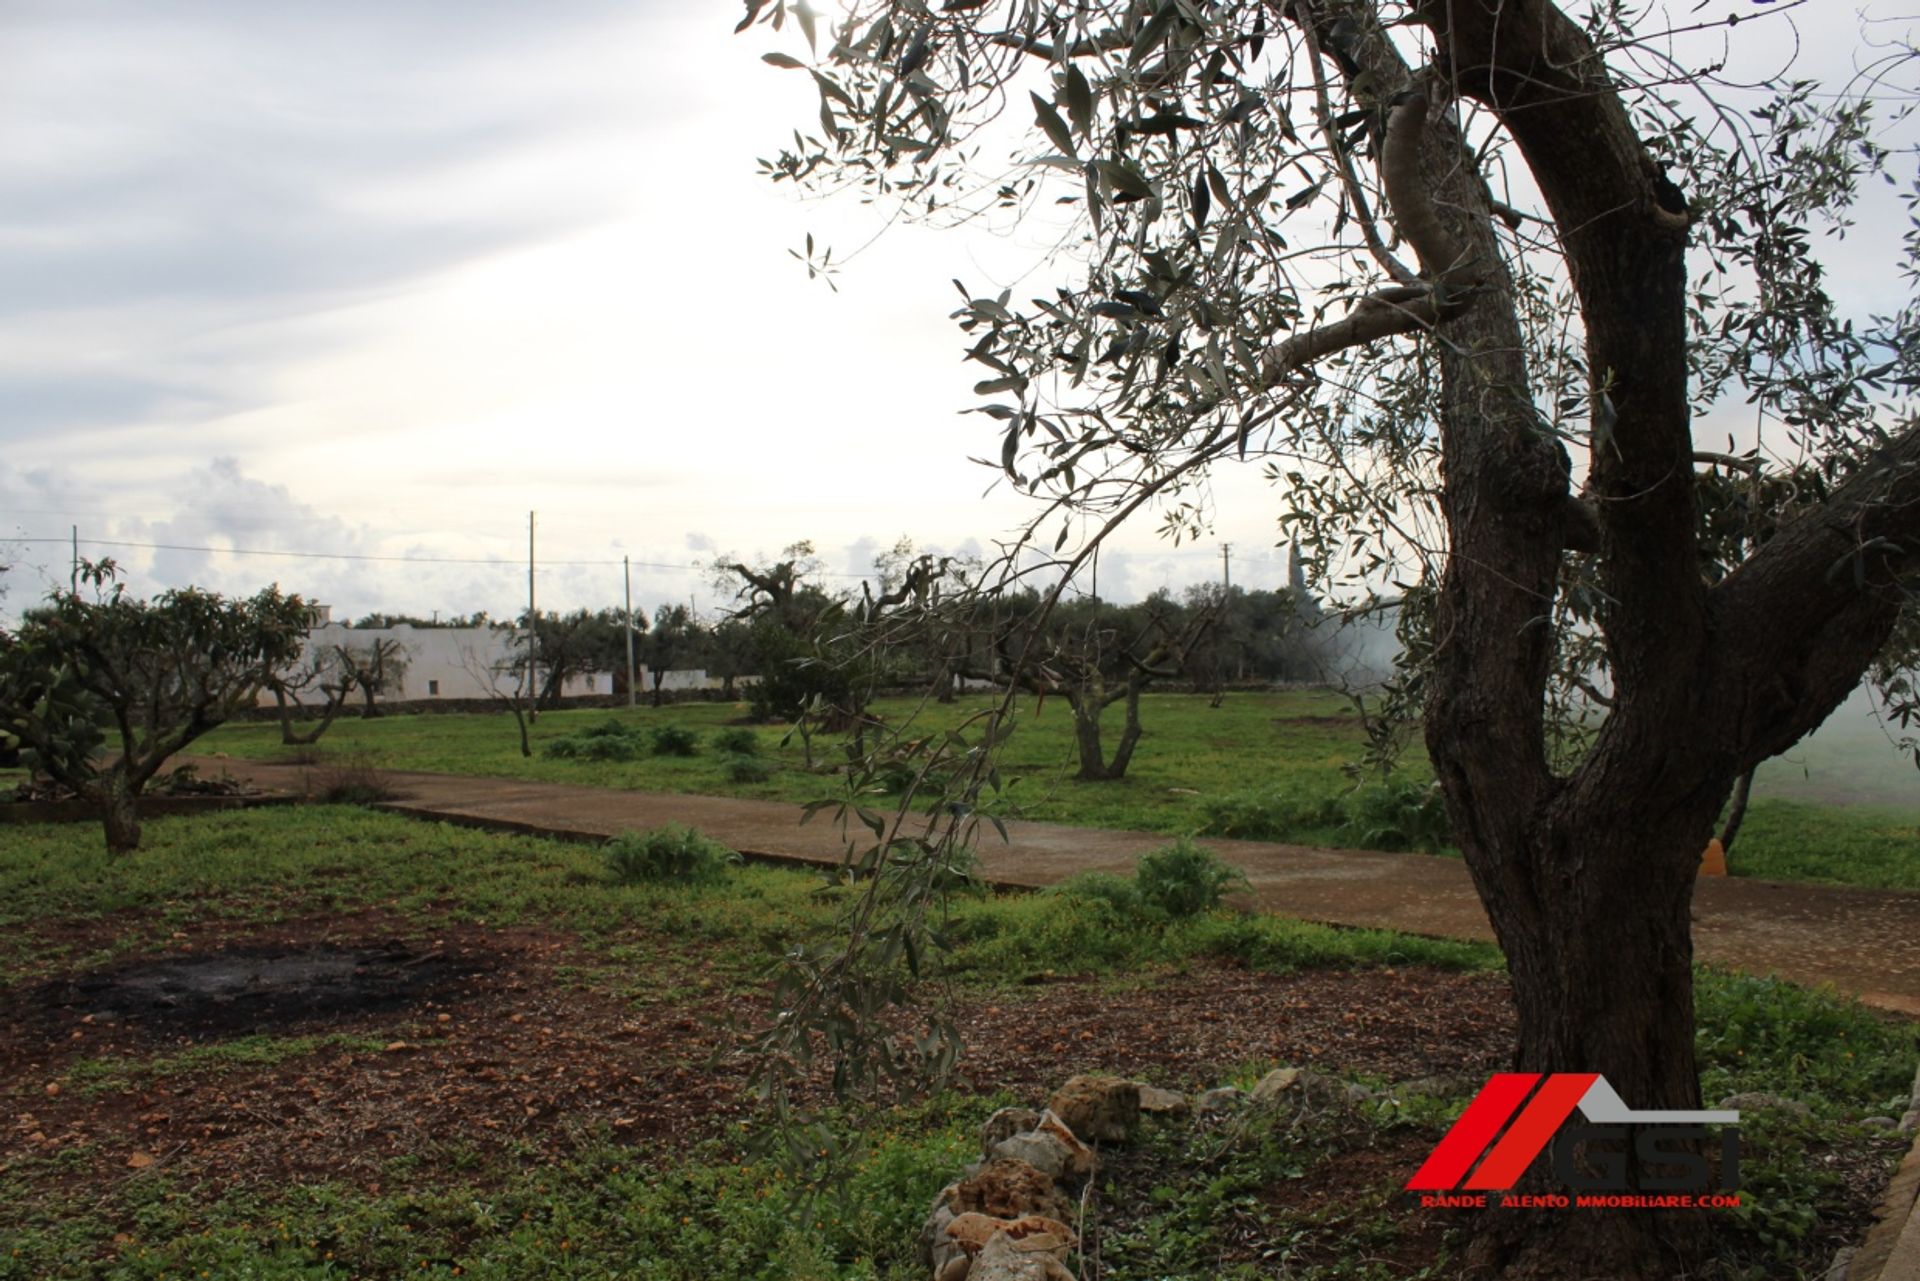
443 662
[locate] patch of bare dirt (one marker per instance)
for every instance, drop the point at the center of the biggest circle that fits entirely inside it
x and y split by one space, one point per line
461 1040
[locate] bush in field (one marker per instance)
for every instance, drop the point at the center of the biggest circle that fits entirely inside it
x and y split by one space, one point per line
1397 815
669 855
1117 892
674 740
747 769
737 740
607 741
1182 879
1280 813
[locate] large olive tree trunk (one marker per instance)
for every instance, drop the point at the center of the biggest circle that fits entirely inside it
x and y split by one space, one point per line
1588 879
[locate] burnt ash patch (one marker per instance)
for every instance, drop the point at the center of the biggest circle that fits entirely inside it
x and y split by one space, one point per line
241 991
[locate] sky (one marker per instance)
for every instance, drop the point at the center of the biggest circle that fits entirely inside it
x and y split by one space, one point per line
377 279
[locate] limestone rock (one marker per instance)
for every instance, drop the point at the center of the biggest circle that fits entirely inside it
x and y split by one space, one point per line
1002 1259
1051 1148
1226 1098
1004 1124
1010 1189
1303 1085
936 1247
1437 1087
1879 1123
1099 1109
1159 1102
1756 1101
1032 1233
956 1268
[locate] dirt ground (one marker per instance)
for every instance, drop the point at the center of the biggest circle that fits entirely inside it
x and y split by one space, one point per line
1864 942
477 1037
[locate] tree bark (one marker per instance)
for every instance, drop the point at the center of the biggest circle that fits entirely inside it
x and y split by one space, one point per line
119 812
1086 737
1736 812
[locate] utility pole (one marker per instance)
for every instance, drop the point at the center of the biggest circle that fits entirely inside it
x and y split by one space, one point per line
1096 572
533 631
626 573
76 562
1226 567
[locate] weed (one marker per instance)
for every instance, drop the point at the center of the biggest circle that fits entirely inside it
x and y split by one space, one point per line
352 781
1182 879
1286 811
672 854
675 740
607 741
747 769
1398 814
737 740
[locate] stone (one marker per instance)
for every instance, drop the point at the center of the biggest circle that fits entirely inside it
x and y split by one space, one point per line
1099 1109
1225 1098
1304 1084
1910 1122
1003 1125
1756 1101
1051 1148
1033 1233
1010 1189
1437 1087
1159 1102
1002 1259
956 1269
1879 1123
936 1247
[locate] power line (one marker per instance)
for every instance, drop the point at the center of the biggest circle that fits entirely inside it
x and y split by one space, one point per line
260 551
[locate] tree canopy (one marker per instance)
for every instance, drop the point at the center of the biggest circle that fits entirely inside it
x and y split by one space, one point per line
102 691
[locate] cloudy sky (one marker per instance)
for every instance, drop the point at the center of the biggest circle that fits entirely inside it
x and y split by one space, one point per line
378 278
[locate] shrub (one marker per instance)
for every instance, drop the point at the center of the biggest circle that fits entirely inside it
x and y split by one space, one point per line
672 854
353 781
1282 813
737 740
1118 892
607 741
674 740
1182 879
747 769
1399 814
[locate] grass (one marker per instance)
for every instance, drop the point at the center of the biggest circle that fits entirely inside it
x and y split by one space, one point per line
590 1206
1260 766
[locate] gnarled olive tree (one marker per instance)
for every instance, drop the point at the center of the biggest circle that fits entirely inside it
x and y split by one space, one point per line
1463 273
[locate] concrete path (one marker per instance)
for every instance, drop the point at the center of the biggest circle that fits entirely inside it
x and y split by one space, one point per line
1864 942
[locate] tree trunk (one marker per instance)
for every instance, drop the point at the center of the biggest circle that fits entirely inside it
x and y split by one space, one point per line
1592 909
1130 736
120 813
1736 812
288 738
372 709
658 677
1086 736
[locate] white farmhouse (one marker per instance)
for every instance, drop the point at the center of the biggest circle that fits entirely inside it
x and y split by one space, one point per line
440 663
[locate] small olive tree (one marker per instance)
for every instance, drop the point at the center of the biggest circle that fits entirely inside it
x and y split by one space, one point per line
103 691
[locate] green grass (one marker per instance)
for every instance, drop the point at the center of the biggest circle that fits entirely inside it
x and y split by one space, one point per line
599 1210
1260 766
109 1074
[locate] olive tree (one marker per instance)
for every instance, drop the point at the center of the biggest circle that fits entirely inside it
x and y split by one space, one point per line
103 691
1461 275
